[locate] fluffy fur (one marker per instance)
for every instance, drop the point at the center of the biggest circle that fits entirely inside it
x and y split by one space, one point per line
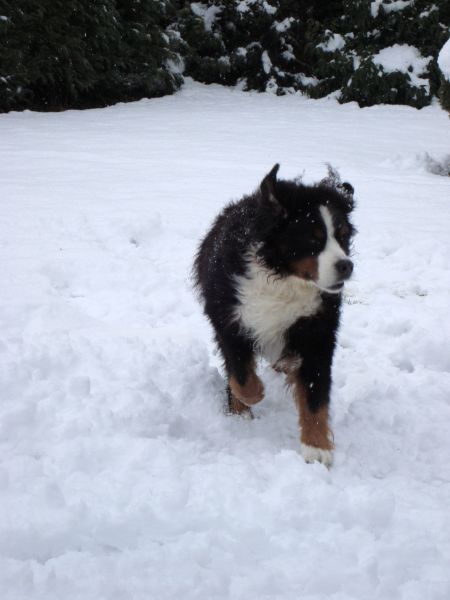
270 273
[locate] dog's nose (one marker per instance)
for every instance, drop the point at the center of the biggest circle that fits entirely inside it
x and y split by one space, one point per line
344 268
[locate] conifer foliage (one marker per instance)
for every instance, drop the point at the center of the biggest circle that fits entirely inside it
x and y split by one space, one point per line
260 44
77 53
383 51
369 51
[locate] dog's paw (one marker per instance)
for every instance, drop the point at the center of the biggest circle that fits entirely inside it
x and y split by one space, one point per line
247 414
251 392
243 413
312 454
236 407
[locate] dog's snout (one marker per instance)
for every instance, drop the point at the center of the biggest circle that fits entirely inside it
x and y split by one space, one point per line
344 268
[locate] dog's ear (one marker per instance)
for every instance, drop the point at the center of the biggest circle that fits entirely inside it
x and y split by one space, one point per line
333 181
348 191
268 189
347 188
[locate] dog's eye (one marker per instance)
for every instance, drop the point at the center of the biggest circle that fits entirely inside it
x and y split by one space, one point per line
315 243
343 233
317 237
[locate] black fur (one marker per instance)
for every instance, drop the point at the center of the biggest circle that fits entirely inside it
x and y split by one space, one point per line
279 219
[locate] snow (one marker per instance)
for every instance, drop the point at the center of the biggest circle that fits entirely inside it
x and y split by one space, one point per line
423 162
266 62
304 80
444 60
334 42
120 475
288 55
427 13
284 25
393 6
406 59
269 8
208 14
244 6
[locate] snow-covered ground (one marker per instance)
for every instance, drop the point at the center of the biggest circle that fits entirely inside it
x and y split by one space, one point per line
120 476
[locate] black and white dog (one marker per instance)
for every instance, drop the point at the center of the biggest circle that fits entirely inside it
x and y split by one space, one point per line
270 272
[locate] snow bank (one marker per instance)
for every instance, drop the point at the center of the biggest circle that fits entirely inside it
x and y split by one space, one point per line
422 162
120 476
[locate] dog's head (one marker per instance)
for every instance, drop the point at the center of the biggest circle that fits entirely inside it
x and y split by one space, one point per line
310 232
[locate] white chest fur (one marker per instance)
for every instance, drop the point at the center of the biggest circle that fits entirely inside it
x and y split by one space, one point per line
269 305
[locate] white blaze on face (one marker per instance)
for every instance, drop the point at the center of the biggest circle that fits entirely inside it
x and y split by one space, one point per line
329 256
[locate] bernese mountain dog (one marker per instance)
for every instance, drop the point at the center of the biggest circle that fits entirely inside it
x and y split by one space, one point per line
270 273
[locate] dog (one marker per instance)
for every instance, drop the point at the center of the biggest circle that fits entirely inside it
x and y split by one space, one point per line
270 273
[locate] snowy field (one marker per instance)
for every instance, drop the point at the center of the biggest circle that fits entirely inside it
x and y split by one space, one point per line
120 476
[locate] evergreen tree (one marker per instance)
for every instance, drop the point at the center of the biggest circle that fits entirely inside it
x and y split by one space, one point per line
53 50
77 53
259 43
143 69
371 51
382 51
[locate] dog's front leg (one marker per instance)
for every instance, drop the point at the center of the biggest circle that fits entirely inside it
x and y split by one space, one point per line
244 386
311 392
246 390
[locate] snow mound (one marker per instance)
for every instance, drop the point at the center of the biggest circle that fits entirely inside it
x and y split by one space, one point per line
437 166
422 162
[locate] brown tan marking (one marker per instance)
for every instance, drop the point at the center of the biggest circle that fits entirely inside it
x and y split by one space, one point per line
306 268
315 430
287 364
251 392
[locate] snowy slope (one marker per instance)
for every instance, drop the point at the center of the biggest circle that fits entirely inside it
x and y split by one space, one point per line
120 476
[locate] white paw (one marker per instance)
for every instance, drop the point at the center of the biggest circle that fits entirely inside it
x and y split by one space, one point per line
313 454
